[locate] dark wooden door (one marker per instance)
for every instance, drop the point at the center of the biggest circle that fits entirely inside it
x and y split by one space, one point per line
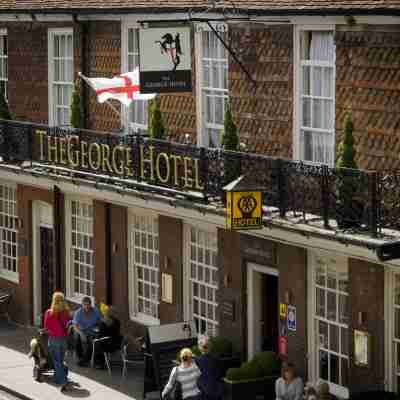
47 265
270 312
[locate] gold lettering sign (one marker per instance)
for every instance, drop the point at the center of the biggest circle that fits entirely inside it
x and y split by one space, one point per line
155 167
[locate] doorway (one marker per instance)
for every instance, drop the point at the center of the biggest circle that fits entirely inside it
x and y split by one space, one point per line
43 259
262 309
46 266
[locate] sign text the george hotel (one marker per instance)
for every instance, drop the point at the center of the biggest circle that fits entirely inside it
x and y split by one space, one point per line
125 161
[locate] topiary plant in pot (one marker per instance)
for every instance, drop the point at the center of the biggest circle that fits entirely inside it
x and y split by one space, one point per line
254 378
348 208
156 124
76 119
230 142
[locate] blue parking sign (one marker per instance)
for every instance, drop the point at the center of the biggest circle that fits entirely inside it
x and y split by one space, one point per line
291 318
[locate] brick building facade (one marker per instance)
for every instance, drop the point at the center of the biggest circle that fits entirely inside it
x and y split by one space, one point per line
115 243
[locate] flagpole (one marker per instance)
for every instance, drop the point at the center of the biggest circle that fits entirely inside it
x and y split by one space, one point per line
84 78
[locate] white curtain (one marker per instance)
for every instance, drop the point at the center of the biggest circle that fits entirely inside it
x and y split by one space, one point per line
322 47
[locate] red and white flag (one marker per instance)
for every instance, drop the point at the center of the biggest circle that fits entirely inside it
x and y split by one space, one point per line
124 88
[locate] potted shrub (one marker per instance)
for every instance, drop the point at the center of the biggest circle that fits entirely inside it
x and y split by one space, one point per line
76 119
253 378
230 142
156 124
349 209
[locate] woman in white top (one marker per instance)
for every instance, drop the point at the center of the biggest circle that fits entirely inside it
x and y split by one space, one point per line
289 386
186 373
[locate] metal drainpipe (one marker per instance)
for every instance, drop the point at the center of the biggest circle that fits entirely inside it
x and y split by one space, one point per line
108 254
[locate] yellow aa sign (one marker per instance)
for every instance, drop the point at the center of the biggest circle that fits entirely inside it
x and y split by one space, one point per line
282 310
243 210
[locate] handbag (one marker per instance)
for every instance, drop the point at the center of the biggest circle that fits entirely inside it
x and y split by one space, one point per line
176 392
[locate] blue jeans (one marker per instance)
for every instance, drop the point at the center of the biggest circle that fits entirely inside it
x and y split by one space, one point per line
57 347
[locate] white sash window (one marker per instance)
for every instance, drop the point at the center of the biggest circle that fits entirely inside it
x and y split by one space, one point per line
80 251
144 268
213 84
61 76
329 319
8 233
316 103
202 282
3 60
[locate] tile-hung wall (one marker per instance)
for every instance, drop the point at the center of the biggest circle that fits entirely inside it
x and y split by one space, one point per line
80 268
201 278
329 318
143 250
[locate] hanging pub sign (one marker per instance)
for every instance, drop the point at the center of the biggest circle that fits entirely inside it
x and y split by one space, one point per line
165 59
243 206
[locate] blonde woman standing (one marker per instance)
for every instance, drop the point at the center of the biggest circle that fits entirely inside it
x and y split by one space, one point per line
56 321
186 373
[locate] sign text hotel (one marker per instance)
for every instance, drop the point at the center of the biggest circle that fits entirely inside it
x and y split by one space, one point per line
154 166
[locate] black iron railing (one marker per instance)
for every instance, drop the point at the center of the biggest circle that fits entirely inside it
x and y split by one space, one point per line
344 199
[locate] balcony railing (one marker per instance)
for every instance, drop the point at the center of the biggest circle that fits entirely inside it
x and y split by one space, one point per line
338 199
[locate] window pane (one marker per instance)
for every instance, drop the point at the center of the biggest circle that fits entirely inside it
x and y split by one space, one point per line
331 306
334 338
323 365
343 309
397 323
334 364
306 81
320 302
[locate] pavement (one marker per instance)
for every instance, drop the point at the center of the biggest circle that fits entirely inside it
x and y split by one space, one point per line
16 374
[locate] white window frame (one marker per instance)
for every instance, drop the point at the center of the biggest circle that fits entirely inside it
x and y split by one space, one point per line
187 298
134 315
389 318
337 390
4 78
50 46
297 74
12 276
202 139
70 295
125 115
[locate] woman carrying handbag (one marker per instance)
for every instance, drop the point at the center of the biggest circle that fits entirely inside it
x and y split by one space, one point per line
182 383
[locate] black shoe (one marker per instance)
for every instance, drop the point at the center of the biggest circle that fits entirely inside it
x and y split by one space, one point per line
64 388
100 366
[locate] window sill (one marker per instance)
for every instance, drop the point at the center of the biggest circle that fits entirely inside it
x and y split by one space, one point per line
10 276
145 320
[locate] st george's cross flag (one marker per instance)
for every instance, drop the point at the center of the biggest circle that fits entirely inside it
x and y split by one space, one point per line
124 88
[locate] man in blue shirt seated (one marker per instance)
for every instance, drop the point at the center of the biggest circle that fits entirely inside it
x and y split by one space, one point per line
85 323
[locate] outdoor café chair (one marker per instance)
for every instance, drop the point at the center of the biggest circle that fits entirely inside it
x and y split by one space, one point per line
107 356
131 358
